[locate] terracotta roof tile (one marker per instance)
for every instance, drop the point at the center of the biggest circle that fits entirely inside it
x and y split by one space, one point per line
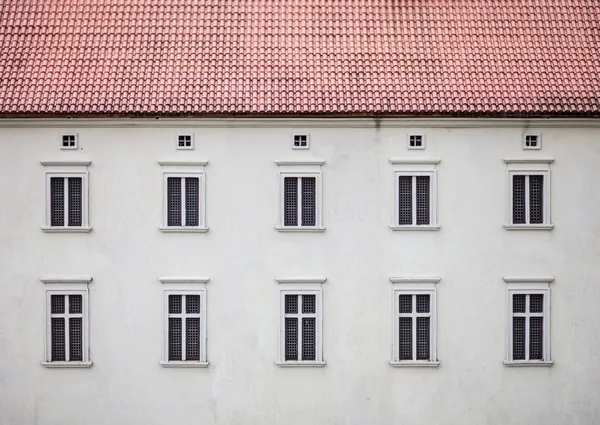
300 57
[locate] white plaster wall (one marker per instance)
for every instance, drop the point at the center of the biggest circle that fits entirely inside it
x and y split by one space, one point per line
242 253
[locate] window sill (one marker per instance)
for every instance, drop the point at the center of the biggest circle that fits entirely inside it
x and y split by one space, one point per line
65 229
415 364
313 229
67 364
300 364
182 229
529 226
528 363
184 364
405 228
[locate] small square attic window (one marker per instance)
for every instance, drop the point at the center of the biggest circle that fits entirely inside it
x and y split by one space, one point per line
532 141
69 141
185 141
300 141
416 141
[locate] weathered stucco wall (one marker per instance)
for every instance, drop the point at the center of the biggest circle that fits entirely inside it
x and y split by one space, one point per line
242 253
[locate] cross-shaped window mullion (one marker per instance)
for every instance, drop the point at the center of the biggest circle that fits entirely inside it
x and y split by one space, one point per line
184 315
67 316
300 316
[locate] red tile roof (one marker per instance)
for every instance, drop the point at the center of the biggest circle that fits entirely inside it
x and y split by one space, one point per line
300 57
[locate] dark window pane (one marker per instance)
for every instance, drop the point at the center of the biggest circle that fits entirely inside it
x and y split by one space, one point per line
536 338
192 303
173 201
175 338
308 338
536 201
58 339
192 338
422 338
291 304
75 201
57 201
175 304
405 338
518 199
405 200
423 303
518 338
75 339
291 338
75 304
57 303
309 303
519 303
422 200
192 188
309 196
290 201
405 303
536 303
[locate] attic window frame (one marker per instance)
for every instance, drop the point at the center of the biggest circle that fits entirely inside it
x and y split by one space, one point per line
300 135
538 145
75 141
184 147
415 147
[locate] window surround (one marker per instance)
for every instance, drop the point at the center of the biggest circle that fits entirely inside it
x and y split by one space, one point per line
526 166
528 286
75 141
410 135
184 148
184 285
415 167
301 167
68 285
301 286
185 168
539 141
414 286
66 169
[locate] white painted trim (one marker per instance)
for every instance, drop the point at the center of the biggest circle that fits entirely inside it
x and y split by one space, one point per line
300 161
414 228
414 161
183 162
183 279
67 365
409 147
63 229
182 229
317 279
307 135
66 279
190 364
256 122
400 280
530 363
529 160
69 148
418 363
538 279
531 148
300 364
63 163
529 226
300 229
184 148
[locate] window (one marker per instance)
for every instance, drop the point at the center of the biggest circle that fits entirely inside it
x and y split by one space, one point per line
529 190
414 196
301 316
67 323
300 198
185 141
69 141
66 197
414 325
528 322
185 322
184 197
416 141
301 141
532 141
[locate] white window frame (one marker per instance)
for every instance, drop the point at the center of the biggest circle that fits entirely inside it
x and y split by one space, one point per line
188 148
299 169
301 147
301 286
412 168
539 141
184 286
414 286
67 169
184 169
66 148
67 286
409 147
528 286
528 167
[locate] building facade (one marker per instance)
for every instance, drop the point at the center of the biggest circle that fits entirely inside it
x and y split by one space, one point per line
119 259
